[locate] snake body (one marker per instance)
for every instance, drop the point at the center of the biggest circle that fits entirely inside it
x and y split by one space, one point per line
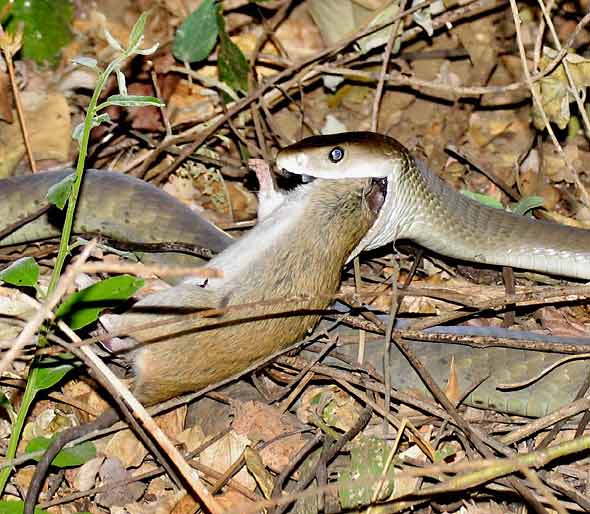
418 206
421 207
486 368
121 207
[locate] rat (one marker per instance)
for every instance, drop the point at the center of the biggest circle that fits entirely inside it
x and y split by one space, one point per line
297 250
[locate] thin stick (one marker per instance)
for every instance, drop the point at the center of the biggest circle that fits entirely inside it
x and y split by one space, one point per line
384 66
140 413
10 45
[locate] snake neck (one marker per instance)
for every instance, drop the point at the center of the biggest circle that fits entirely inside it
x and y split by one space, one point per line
431 213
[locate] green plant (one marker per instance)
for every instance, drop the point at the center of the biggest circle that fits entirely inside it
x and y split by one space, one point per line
46 373
45 25
196 38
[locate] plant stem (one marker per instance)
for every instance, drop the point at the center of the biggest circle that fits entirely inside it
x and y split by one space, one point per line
19 423
72 201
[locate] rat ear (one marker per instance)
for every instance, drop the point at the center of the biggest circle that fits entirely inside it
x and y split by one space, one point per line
376 194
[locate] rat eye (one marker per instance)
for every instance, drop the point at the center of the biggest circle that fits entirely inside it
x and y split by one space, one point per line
336 154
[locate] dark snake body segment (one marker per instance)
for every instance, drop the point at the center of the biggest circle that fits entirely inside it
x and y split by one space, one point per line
493 366
121 207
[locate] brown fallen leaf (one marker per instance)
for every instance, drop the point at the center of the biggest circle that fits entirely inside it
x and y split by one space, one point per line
6 112
260 422
48 122
111 470
130 451
224 452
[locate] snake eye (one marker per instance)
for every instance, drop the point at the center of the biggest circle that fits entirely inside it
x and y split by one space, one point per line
336 154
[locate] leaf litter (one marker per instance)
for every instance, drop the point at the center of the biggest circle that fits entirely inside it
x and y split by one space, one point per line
429 107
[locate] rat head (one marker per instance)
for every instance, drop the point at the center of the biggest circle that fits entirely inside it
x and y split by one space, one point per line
344 155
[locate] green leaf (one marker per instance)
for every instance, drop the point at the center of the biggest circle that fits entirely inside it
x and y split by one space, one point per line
84 307
423 17
77 132
483 199
23 272
121 82
46 27
16 507
444 452
232 65
131 101
66 458
52 370
527 204
7 406
112 41
5 402
58 194
368 456
147 51
573 128
195 38
137 31
95 122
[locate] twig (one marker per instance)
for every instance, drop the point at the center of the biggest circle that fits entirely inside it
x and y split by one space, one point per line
10 45
143 270
384 66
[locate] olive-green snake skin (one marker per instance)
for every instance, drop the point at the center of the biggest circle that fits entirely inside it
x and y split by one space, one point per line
421 207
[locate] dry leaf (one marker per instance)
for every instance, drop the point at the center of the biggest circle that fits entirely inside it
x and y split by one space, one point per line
232 501
13 304
554 89
260 422
331 405
453 390
47 115
86 474
560 322
191 438
125 446
224 452
6 113
257 469
112 470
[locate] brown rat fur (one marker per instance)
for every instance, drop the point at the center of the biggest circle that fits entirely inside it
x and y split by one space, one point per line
297 251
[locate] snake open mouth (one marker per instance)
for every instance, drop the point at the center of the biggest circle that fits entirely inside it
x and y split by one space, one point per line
376 196
299 178
385 227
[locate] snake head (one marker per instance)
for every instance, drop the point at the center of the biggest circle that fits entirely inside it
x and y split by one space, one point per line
358 155
344 155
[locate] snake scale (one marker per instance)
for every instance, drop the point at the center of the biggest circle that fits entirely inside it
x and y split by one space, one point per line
418 206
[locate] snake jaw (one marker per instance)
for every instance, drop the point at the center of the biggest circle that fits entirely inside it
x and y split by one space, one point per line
295 178
390 220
